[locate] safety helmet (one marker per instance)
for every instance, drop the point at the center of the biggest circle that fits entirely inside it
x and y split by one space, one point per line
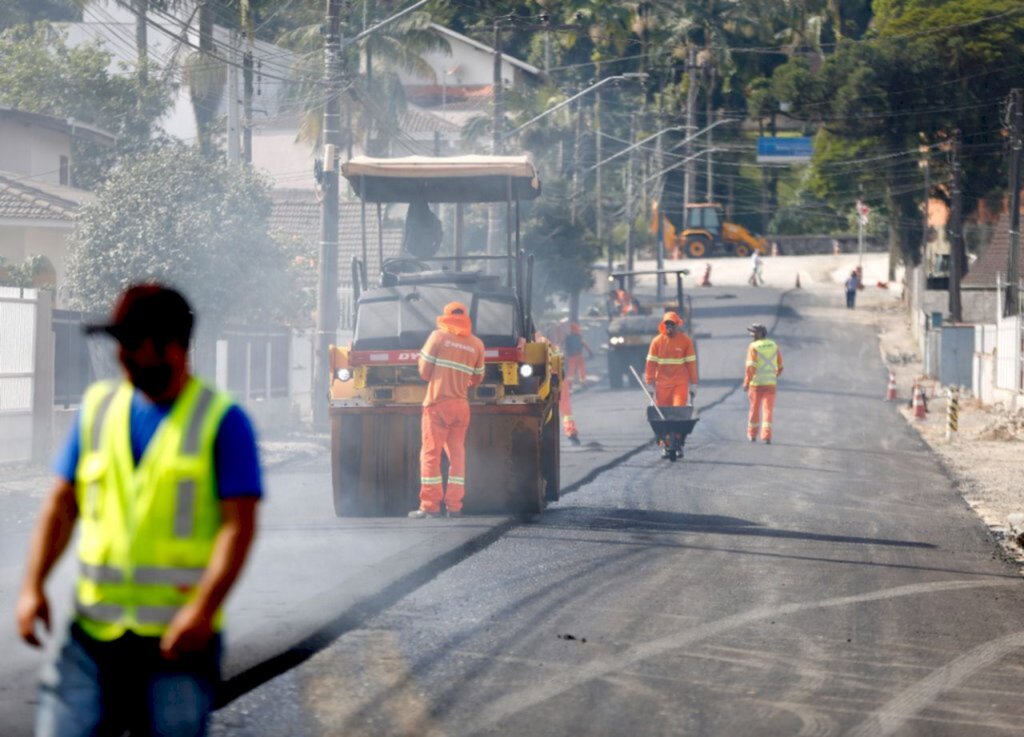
758 330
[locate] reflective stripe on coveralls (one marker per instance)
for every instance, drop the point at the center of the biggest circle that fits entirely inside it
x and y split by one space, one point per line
143 548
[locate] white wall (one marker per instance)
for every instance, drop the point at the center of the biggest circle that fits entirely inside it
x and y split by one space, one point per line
115 27
32 150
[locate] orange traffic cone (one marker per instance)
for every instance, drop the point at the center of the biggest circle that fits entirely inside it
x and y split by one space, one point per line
706 279
919 403
798 281
890 391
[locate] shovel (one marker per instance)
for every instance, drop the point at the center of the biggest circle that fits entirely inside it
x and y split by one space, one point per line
647 393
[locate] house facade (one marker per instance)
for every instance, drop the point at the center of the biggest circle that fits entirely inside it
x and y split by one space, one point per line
37 204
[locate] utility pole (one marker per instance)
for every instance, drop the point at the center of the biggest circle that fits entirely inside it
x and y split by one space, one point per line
660 229
494 212
232 98
957 238
1011 306
709 120
247 86
327 281
629 201
691 101
598 189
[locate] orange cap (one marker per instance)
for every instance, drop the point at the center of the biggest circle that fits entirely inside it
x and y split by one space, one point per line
455 308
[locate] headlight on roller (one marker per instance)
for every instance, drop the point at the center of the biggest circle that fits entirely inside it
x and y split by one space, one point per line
526 371
343 374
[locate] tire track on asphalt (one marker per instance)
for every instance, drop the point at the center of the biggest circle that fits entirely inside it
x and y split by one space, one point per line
515 703
907 704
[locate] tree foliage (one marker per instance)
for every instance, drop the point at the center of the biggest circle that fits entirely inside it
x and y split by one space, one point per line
41 73
178 217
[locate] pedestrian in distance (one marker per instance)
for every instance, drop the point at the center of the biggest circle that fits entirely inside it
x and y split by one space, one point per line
852 285
761 375
451 361
161 475
575 344
756 269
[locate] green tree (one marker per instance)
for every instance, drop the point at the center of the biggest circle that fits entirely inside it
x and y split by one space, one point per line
564 251
197 223
40 73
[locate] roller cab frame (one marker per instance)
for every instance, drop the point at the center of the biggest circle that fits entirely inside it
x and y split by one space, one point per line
376 394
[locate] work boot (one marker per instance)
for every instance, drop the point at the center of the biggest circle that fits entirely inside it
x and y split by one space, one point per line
752 439
664 451
454 513
767 441
574 439
423 514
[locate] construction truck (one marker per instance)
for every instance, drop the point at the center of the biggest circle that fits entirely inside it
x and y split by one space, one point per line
706 233
376 393
630 334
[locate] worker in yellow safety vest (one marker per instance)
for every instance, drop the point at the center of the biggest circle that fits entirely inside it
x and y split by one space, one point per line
161 475
763 367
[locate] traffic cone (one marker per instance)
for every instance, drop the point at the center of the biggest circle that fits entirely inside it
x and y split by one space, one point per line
890 391
798 281
919 406
706 279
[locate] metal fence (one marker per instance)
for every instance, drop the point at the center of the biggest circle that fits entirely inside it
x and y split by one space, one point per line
18 315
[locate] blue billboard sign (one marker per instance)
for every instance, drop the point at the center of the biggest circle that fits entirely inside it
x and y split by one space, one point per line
789 150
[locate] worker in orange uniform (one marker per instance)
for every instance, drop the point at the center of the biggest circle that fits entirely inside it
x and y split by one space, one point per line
575 344
451 361
764 365
672 364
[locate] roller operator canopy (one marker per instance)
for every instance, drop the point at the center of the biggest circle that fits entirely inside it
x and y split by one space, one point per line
443 178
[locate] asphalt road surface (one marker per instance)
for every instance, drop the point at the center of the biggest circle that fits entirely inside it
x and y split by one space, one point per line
830 583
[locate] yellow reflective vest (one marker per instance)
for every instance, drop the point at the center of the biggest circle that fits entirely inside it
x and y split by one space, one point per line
146 531
764 358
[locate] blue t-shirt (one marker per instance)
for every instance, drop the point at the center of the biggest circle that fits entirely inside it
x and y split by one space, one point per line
236 458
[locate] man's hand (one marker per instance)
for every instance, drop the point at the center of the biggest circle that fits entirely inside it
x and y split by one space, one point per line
189 632
746 387
32 605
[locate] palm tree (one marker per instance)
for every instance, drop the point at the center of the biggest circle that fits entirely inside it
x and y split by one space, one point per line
375 96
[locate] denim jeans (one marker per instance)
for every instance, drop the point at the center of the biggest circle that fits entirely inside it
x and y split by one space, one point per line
107 688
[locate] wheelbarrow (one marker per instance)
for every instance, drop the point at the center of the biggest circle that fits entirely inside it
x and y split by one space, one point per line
671 425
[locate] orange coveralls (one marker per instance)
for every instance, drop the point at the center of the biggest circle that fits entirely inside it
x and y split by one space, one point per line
451 361
763 367
671 366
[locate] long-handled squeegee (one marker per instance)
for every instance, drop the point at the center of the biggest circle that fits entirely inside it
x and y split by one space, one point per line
647 393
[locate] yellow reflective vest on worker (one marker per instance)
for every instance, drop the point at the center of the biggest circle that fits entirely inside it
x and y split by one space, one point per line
146 531
764 363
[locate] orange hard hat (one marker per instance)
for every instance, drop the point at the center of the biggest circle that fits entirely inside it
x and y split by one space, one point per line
672 317
455 308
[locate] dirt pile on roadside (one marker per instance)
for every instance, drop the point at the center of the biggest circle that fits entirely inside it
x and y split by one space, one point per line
1004 425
